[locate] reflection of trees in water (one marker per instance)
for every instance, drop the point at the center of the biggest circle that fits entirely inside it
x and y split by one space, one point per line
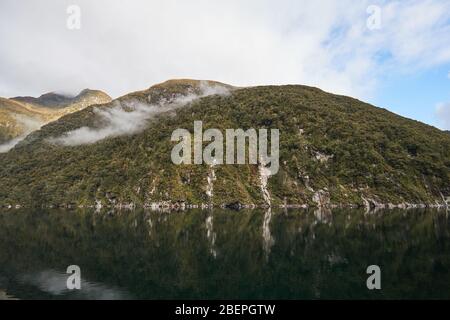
440 226
169 255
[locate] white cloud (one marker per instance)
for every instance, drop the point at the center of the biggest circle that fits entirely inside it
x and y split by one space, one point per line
443 115
125 46
5 147
117 121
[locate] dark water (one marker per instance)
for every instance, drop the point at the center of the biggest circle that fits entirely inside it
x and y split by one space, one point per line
225 254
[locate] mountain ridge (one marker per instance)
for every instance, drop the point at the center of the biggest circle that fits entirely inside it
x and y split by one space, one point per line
20 116
53 99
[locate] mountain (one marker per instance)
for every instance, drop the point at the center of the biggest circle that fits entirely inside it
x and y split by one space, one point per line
334 150
55 100
21 115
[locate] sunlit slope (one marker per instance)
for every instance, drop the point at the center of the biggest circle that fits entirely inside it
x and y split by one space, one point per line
22 115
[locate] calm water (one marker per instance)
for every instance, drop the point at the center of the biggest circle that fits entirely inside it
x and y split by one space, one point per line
223 254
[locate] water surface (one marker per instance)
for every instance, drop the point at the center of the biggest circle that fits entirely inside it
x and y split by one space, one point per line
222 254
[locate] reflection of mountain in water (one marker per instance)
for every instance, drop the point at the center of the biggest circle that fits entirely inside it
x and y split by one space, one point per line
268 240
211 235
225 254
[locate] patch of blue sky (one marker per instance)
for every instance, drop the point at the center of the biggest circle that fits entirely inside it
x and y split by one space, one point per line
415 95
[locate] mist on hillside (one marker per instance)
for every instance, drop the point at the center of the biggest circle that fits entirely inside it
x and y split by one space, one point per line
28 124
131 117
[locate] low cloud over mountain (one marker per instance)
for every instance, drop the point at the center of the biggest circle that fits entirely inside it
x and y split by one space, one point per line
125 116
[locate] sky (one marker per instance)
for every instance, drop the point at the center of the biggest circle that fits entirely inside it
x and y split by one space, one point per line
393 54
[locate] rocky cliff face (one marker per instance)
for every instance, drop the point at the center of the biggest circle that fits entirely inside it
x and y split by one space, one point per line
334 150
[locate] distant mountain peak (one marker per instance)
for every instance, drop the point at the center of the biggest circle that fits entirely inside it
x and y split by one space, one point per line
189 82
59 100
173 88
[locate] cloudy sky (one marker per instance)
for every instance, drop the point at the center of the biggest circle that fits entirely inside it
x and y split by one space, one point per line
394 54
